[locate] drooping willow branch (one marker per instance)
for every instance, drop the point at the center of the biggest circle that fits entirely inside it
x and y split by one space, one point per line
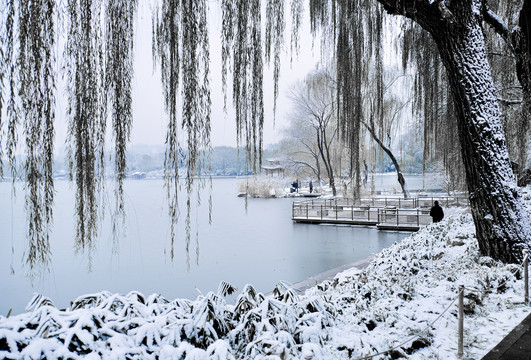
86 115
297 11
355 27
242 45
11 69
119 44
4 68
99 71
34 77
274 38
181 48
431 103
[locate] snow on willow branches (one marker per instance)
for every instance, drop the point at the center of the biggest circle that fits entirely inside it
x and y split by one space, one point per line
242 34
85 114
180 46
99 70
119 43
97 66
29 64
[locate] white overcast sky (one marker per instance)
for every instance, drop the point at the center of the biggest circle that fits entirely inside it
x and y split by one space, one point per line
149 121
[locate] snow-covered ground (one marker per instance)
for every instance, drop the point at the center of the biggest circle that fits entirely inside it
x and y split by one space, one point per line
394 301
274 187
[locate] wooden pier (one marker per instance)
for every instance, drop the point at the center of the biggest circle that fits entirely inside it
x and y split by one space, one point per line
384 213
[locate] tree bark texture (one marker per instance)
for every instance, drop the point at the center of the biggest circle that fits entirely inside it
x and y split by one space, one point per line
502 226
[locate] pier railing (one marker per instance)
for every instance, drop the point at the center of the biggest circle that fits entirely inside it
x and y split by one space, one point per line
332 210
398 218
381 202
416 202
386 213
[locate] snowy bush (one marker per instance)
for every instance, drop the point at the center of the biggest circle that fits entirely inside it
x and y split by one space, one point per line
394 301
262 187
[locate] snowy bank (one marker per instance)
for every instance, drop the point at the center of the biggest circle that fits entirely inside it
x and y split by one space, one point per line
272 187
359 313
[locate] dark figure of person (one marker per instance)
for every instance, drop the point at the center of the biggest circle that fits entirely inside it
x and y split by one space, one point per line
436 212
295 185
311 187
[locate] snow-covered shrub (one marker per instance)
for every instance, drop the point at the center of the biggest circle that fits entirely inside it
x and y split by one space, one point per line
262 187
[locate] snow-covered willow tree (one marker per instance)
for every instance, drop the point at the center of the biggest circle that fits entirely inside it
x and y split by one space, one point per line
28 63
98 60
503 229
456 27
508 56
352 29
97 64
180 46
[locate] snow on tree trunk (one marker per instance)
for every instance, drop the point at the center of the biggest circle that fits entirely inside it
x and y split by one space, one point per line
503 228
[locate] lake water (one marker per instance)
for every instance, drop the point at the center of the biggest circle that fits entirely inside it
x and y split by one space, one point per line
260 246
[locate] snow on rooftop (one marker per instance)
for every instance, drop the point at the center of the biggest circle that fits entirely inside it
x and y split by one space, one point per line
359 313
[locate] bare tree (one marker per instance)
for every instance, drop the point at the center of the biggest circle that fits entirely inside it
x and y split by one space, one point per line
300 149
314 105
380 131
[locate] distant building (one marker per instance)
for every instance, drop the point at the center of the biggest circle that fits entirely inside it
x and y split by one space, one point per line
137 175
273 168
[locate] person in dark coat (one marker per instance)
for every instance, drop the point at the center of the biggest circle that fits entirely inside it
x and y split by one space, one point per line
311 187
436 212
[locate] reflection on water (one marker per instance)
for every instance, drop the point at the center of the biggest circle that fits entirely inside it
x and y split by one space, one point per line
260 247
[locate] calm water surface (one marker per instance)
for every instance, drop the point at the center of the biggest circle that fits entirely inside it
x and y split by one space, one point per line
260 246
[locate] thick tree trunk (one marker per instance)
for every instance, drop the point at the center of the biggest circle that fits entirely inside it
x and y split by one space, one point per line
502 225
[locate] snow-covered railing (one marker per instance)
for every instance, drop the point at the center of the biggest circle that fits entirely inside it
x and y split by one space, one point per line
403 217
445 201
389 217
381 202
461 313
335 209
415 202
386 213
